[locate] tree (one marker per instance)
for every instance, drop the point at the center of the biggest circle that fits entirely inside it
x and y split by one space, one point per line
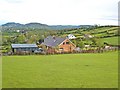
99 44
75 42
21 39
94 40
81 44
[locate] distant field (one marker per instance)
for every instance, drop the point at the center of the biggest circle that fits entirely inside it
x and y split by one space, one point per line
111 40
106 29
98 32
61 71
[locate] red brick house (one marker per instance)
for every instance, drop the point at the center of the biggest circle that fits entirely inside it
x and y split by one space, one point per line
58 45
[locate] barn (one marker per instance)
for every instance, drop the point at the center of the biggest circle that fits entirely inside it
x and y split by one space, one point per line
24 47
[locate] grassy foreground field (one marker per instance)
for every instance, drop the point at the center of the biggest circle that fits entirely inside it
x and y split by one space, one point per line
61 71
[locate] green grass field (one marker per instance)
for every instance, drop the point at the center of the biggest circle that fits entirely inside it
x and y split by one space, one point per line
111 40
61 71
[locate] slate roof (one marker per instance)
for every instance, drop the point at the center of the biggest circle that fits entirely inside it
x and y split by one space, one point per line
53 41
24 45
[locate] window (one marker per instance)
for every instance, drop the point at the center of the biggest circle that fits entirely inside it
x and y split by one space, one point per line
63 43
67 42
61 49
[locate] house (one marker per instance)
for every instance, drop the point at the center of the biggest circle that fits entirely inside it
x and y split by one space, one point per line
58 45
71 36
23 47
18 31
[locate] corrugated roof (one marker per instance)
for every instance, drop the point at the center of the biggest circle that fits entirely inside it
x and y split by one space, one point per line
53 41
23 45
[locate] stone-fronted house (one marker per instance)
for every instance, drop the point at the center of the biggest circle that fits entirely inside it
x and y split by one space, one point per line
58 45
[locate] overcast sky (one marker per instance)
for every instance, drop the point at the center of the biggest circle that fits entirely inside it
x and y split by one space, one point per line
60 12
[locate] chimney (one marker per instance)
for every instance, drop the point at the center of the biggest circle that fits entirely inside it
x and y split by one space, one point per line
54 38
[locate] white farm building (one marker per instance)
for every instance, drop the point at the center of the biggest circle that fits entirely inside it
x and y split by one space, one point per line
71 36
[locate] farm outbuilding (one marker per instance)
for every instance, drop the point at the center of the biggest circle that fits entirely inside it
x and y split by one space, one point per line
71 36
24 47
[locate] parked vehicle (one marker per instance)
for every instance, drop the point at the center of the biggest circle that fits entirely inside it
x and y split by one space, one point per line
38 51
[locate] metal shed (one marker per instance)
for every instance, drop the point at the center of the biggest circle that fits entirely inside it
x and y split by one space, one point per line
24 47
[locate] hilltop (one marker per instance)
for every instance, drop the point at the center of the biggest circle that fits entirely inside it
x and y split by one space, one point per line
35 25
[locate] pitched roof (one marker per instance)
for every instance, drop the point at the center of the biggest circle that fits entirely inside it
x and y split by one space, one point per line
71 36
53 41
23 45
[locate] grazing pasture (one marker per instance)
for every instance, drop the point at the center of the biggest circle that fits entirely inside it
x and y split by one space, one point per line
111 40
61 71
